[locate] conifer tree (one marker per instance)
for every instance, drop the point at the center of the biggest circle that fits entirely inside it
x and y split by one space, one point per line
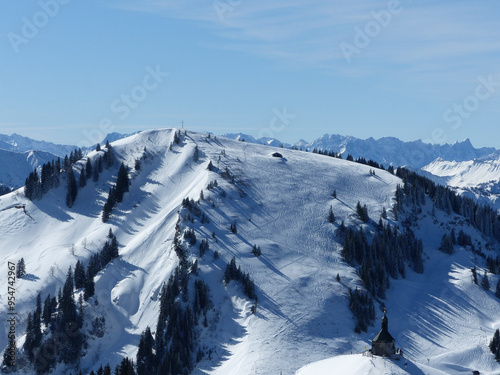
331 216
21 268
485 282
79 275
89 285
83 179
88 169
122 183
72 189
474 274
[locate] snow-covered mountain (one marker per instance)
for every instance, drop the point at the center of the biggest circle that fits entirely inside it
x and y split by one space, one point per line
16 166
261 141
441 320
390 150
478 178
18 143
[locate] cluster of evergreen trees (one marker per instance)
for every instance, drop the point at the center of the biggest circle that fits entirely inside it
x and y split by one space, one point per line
234 272
85 278
173 349
62 339
125 367
212 184
256 251
361 305
190 236
483 217
204 246
385 257
36 186
116 193
362 212
449 241
349 157
62 318
192 206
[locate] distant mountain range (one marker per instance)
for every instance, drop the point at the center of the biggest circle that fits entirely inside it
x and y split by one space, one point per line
387 150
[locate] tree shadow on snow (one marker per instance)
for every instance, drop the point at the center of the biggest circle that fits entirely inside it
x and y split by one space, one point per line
30 277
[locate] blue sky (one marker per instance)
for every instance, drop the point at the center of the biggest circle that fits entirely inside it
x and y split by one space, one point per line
71 70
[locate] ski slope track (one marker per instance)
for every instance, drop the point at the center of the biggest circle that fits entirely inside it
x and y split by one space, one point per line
440 319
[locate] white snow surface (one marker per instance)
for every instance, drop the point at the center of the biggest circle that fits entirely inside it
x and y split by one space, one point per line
478 178
439 318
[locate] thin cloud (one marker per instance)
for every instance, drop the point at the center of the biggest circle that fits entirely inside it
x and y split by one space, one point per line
459 36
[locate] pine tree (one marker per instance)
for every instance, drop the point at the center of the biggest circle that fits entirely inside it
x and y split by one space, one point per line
446 244
88 169
233 228
47 310
485 282
83 179
72 189
21 268
29 341
497 291
196 154
474 274
331 216
79 275
122 183
145 356
95 171
89 284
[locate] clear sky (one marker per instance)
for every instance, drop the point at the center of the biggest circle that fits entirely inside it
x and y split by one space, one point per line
73 70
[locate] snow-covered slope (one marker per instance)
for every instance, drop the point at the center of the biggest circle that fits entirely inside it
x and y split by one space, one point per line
15 166
479 178
18 143
358 364
279 204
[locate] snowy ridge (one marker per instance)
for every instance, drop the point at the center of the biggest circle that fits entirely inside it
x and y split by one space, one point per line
392 151
18 143
279 204
17 166
478 179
